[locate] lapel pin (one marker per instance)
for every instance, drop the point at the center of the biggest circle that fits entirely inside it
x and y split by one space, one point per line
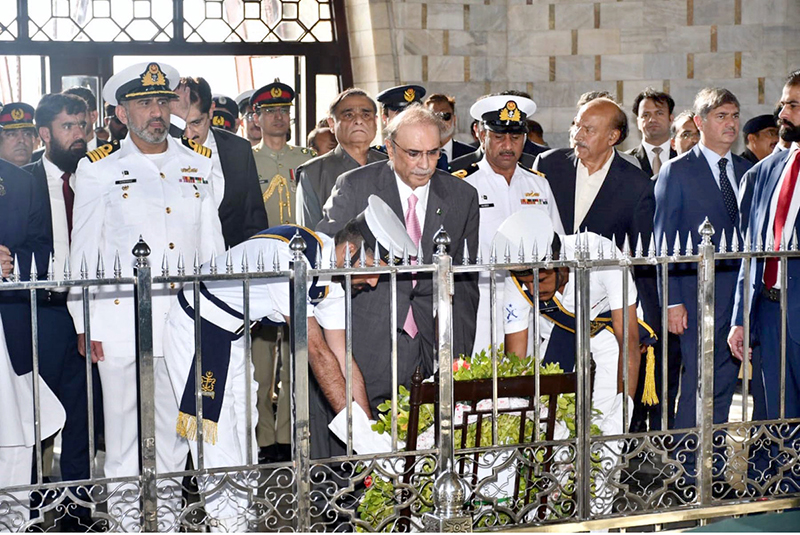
438 211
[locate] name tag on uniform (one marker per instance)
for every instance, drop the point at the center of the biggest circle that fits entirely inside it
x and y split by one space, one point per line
486 205
126 181
193 179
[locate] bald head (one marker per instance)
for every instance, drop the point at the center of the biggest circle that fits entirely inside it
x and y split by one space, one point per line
599 126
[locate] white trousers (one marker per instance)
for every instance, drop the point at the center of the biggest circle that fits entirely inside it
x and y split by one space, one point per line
15 469
226 500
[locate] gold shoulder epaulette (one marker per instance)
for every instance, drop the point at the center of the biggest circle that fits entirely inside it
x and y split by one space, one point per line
461 173
197 147
538 173
102 151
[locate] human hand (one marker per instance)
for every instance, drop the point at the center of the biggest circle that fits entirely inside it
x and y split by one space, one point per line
677 319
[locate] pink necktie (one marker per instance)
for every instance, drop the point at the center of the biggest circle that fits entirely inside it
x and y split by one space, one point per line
415 233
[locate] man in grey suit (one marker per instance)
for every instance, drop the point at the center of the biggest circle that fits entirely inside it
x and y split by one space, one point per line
353 118
426 199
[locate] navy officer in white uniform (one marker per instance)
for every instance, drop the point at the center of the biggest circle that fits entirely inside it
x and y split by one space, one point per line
151 185
504 187
224 359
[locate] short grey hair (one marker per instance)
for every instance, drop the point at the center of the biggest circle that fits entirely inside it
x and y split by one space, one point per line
415 114
350 92
711 98
682 117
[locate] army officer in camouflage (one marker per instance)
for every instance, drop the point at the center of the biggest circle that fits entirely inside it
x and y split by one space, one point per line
276 160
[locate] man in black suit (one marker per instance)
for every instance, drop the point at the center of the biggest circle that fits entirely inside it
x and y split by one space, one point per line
426 199
597 189
760 137
653 110
234 176
61 123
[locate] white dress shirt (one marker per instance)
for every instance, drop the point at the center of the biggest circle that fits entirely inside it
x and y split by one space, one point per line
648 149
713 162
421 192
586 188
58 208
447 149
791 216
217 177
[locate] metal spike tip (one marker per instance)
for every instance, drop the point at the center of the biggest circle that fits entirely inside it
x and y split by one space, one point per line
392 254
479 257
793 243
465 255
676 246
521 251
84 267
362 255
639 249
535 251
212 263
181 264
626 247
117 265
651 248
689 246
782 244
493 253
735 242
759 243
260 261
318 263
406 259
664 247
748 242
228 262
164 265
15 273
332 259
507 254
376 254
34 274
67 269
245 266
101 268
276 261
347 254
51 267
548 251
196 264
723 242
600 253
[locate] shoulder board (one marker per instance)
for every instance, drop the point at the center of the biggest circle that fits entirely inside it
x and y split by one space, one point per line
464 173
197 147
312 152
102 151
380 148
536 172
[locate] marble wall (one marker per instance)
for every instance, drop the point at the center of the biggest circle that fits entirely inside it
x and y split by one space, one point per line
558 49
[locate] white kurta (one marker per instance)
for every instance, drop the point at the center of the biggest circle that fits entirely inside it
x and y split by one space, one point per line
497 200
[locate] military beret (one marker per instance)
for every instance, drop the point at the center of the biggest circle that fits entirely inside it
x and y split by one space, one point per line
757 124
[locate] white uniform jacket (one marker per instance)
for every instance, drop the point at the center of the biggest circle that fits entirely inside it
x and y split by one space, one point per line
121 194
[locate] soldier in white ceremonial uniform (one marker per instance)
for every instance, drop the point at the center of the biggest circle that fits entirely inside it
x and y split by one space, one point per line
150 185
504 187
224 359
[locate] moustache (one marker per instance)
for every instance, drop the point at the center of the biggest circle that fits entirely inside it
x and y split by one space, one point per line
507 153
78 145
160 122
784 122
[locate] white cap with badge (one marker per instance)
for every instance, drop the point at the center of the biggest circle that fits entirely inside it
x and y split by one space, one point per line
379 224
142 80
525 228
504 113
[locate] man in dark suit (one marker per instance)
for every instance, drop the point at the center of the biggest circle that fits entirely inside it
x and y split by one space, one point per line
760 137
61 123
699 184
444 106
235 180
773 220
597 189
653 110
426 199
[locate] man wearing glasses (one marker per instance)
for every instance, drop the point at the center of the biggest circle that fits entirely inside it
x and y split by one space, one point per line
444 106
276 160
426 199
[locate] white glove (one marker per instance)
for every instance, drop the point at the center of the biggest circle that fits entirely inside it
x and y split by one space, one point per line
365 440
612 420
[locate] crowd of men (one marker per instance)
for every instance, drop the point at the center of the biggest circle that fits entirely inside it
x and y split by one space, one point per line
191 171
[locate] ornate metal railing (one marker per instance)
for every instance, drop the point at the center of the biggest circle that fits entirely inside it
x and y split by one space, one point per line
591 481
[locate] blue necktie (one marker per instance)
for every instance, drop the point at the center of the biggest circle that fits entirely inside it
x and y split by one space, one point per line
727 191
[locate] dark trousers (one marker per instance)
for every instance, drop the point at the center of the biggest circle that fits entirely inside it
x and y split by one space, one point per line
769 460
648 417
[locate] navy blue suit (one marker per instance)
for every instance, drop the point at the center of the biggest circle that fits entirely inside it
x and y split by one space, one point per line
686 193
760 185
60 364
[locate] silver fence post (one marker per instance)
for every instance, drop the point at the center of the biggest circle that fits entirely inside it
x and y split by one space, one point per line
299 381
147 390
705 370
450 492
583 391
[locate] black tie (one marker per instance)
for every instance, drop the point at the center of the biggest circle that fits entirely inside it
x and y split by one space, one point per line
727 191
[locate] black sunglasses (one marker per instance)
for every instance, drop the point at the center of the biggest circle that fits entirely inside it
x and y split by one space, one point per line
444 115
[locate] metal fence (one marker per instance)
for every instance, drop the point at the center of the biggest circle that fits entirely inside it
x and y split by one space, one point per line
582 481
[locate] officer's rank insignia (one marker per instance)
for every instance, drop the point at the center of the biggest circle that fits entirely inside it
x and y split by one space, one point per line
218 120
17 114
207 384
510 112
188 170
197 147
538 173
276 92
409 94
102 151
153 76
186 179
